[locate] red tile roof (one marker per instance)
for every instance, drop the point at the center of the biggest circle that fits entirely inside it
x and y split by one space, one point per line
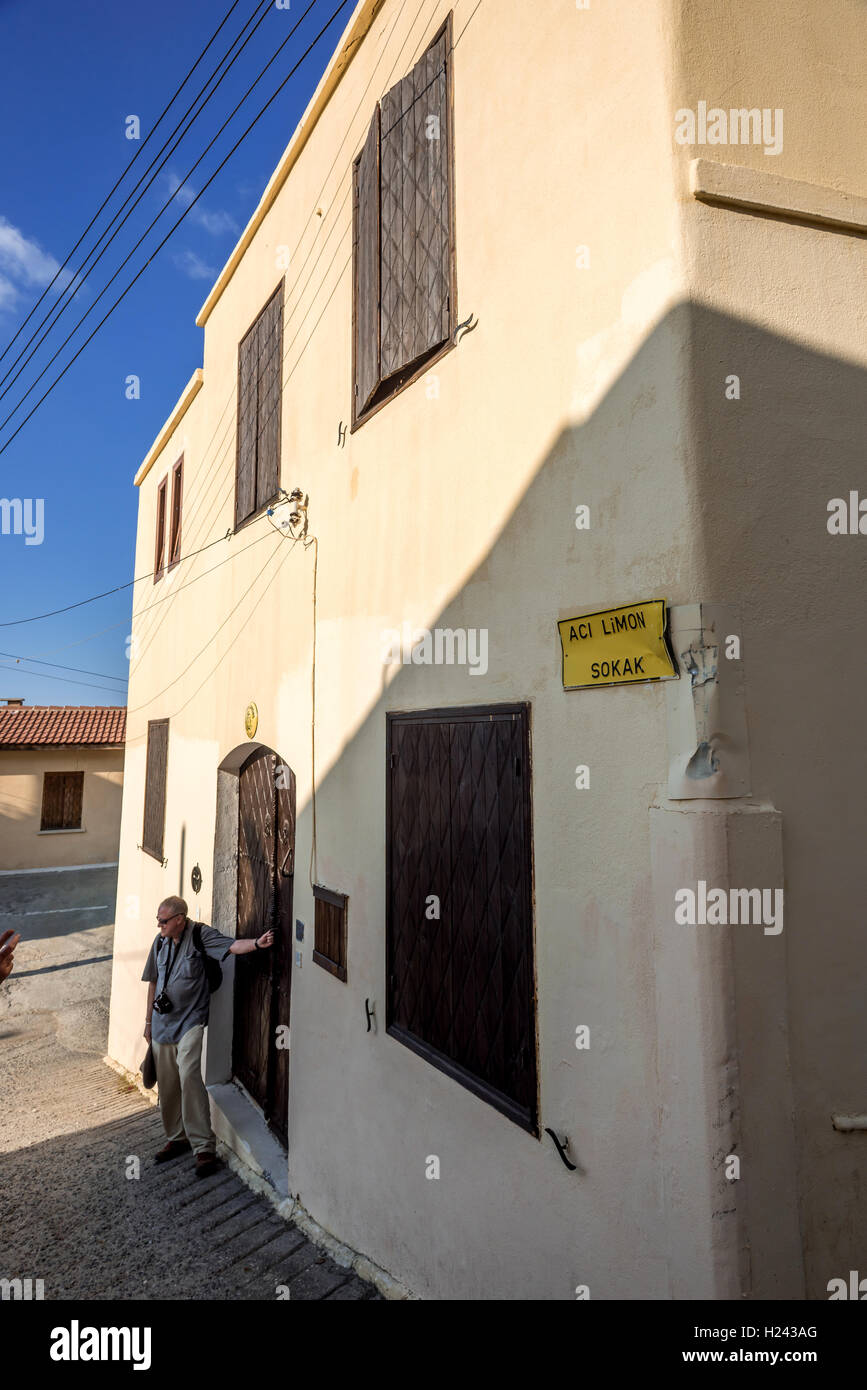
23 726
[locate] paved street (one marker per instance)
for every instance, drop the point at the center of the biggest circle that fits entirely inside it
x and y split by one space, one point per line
82 1205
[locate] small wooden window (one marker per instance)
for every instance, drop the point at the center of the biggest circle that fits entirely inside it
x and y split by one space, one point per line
330 931
176 513
260 397
404 290
160 548
62 795
155 788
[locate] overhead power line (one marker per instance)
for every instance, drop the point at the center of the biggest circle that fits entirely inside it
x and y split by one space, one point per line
43 676
58 309
342 5
112 192
34 661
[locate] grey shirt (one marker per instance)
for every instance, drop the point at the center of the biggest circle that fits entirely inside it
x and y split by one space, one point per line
187 982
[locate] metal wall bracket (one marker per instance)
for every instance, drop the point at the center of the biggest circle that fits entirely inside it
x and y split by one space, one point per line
370 1011
561 1149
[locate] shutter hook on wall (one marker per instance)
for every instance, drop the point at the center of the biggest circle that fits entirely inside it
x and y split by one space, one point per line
466 327
370 1011
561 1149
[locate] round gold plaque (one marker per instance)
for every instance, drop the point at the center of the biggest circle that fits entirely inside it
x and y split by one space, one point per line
251 719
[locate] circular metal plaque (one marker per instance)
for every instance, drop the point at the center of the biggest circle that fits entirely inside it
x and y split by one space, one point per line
251 719
196 878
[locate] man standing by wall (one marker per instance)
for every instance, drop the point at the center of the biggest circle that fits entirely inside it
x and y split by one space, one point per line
179 998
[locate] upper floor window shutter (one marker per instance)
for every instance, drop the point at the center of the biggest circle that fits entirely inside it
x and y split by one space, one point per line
176 513
260 399
248 372
367 269
160 547
153 831
415 211
270 393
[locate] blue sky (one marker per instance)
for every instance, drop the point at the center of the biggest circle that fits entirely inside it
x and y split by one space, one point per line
72 75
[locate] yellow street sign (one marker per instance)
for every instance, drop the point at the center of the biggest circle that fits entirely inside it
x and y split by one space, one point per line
620 644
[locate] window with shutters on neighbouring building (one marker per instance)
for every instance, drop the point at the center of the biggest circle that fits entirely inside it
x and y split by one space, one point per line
459 919
153 832
404 287
260 396
62 795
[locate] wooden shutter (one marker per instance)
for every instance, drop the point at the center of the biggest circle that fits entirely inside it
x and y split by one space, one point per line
160 546
73 793
245 473
367 269
460 986
270 397
176 512
330 931
415 212
62 795
155 787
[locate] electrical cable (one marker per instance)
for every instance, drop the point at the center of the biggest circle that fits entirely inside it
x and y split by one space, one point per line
168 235
111 194
59 308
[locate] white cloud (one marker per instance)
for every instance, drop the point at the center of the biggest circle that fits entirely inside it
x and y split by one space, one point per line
214 223
193 266
23 260
9 295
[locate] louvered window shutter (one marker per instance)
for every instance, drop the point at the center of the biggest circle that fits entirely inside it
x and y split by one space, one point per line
245 480
367 269
52 800
415 213
72 798
270 377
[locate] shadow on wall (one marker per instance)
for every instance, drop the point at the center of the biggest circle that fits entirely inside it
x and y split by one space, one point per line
692 496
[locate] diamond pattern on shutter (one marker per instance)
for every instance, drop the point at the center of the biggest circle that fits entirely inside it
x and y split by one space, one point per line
245 478
415 216
270 395
367 269
459 824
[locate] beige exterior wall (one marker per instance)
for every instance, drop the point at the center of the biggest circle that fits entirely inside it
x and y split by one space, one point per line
455 507
22 844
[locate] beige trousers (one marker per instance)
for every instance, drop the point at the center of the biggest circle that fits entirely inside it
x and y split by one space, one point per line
184 1103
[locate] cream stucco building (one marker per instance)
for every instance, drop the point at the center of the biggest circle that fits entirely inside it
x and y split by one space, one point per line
528 327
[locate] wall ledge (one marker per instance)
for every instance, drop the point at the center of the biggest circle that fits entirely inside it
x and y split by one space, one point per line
754 190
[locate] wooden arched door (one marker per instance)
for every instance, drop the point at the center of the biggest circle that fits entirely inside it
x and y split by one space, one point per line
266 864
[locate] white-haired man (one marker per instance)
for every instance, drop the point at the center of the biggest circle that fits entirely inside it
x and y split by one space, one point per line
179 998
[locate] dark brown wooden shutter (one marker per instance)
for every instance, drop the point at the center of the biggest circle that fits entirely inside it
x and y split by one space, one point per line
160 544
367 269
329 949
62 795
416 217
155 787
73 793
176 513
245 476
270 396
460 988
